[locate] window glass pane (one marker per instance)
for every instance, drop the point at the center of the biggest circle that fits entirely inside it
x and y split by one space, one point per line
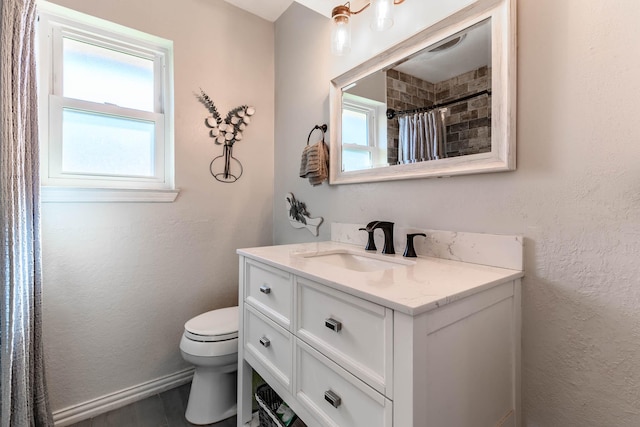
98 144
354 127
354 159
97 74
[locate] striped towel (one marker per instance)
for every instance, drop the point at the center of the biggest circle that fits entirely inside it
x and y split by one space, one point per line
314 163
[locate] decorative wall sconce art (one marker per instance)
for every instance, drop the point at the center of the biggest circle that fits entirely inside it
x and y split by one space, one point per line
299 217
341 22
226 168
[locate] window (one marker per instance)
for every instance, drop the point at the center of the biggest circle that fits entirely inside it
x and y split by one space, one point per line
362 119
106 109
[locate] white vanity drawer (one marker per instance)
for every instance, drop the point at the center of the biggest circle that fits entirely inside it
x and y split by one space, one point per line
271 345
270 291
356 334
335 397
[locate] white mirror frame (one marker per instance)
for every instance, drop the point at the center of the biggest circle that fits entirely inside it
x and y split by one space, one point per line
502 156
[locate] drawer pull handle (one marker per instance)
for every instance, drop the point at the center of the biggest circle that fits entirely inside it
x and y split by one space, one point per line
265 289
265 342
333 324
332 398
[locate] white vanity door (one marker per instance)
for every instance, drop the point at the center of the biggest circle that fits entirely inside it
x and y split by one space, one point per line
356 334
268 343
270 291
334 396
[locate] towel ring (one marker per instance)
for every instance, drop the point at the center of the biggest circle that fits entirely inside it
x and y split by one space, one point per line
323 128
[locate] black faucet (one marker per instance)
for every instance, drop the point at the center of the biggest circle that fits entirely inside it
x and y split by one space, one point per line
410 251
371 244
387 228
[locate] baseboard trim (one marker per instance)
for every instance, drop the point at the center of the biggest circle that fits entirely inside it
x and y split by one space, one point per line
100 405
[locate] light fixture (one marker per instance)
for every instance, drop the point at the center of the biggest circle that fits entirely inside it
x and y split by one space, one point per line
341 30
341 22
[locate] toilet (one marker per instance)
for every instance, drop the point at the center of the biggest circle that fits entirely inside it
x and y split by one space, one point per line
210 343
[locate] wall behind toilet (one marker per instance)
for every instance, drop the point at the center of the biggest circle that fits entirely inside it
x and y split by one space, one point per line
121 279
575 195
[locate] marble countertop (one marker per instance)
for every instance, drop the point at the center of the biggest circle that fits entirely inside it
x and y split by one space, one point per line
413 286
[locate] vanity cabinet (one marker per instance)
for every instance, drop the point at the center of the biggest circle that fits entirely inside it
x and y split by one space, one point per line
341 357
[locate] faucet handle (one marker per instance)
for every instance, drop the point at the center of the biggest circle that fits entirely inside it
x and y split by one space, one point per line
372 225
409 251
371 244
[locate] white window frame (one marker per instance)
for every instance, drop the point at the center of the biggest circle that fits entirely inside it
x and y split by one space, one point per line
56 23
374 111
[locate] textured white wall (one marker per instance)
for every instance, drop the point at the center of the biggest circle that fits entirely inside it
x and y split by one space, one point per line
121 279
575 195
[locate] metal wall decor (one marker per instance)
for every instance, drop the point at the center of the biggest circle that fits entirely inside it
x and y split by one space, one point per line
225 167
323 128
299 216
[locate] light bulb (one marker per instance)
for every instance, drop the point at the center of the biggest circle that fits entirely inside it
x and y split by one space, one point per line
340 31
382 14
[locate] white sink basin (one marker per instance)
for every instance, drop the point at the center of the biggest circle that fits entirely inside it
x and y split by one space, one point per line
356 261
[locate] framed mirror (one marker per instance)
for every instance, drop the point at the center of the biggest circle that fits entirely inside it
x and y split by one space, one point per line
441 103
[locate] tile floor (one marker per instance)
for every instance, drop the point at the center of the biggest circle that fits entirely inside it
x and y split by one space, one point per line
160 410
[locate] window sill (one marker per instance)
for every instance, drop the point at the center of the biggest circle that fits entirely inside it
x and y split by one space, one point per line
106 195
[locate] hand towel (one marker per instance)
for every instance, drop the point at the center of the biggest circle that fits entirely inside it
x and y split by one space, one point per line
314 163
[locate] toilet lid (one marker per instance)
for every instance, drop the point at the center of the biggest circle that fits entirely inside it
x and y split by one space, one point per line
221 323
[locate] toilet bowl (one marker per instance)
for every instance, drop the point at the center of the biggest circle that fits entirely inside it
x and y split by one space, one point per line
210 343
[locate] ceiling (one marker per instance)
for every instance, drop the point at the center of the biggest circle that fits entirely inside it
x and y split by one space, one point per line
473 51
272 9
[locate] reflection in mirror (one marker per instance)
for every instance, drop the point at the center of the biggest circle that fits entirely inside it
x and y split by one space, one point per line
450 93
364 129
437 102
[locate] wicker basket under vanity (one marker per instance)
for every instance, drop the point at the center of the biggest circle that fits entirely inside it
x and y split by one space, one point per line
268 402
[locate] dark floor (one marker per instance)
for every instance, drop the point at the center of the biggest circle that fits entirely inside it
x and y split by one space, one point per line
160 410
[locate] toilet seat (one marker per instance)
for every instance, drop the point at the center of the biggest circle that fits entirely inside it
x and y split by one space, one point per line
209 338
213 326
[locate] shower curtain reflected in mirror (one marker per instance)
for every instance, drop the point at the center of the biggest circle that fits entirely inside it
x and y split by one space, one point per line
422 136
